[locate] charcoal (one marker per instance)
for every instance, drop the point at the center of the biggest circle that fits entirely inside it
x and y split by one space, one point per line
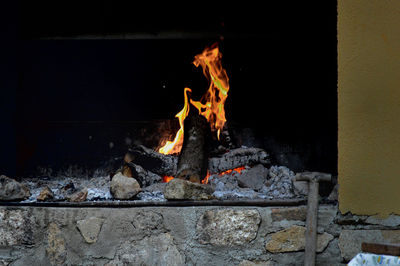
143 176
253 178
158 163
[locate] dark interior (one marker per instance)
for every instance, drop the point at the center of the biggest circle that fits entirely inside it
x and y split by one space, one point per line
85 76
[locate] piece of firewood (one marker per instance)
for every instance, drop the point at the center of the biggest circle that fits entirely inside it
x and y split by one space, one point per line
153 161
238 157
381 248
193 159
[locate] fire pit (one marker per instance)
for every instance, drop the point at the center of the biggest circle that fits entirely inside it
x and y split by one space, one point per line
176 146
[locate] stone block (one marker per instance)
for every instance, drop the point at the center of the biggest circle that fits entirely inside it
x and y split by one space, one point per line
228 227
15 228
56 250
350 240
289 213
391 221
293 239
153 250
90 228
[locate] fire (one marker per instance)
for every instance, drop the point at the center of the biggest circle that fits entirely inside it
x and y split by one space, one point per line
175 146
166 179
237 169
211 105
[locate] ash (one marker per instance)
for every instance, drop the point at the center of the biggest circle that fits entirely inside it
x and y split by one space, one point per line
255 183
258 179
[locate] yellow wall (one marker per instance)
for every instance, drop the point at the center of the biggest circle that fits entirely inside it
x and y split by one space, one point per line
369 106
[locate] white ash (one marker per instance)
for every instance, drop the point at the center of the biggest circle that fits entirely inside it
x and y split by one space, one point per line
151 196
98 187
279 184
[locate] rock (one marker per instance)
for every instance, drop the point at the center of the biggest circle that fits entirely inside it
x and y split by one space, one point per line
123 187
11 190
289 213
15 228
334 193
55 250
300 188
293 239
254 177
145 177
390 221
228 227
255 263
350 240
78 196
152 250
179 189
90 228
45 195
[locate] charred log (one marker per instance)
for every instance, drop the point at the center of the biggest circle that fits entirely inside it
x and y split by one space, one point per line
144 177
192 162
157 163
238 157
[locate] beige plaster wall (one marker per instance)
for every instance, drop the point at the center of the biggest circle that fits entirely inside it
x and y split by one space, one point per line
369 106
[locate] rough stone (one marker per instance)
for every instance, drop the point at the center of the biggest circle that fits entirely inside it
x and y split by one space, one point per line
334 193
391 221
179 189
293 239
300 187
15 228
56 250
45 195
78 196
350 240
90 228
228 227
289 213
146 177
254 177
123 187
153 250
11 190
255 263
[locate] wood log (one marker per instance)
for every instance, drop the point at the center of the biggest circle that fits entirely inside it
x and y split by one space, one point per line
153 161
381 248
238 157
193 159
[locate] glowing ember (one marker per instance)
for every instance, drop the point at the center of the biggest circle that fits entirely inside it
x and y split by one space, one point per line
175 146
166 179
237 169
211 105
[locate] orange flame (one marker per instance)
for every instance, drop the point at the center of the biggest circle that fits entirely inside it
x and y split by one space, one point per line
175 146
211 105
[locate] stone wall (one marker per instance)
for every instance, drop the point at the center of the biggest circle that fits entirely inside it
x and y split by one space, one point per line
182 235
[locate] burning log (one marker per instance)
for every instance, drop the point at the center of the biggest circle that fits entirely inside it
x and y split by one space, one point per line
158 163
192 162
236 158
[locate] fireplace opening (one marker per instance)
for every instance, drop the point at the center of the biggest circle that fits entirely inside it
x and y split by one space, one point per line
91 90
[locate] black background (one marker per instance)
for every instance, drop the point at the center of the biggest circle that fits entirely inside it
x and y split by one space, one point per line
86 63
